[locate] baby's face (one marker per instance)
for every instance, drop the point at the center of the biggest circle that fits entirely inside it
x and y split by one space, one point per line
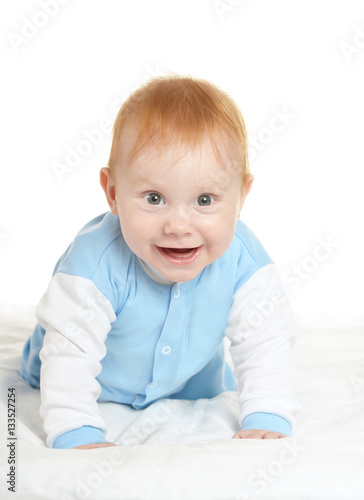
177 211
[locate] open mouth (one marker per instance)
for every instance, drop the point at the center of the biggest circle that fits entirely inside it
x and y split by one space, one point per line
180 256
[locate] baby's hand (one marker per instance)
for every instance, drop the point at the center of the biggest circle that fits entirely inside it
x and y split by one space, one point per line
258 434
93 445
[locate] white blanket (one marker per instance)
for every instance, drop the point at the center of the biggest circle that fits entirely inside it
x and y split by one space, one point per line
183 449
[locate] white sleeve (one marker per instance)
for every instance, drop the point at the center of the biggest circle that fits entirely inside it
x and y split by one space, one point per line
77 318
262 331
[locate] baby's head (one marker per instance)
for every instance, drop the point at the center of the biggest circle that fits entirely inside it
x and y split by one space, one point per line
178 174
183 111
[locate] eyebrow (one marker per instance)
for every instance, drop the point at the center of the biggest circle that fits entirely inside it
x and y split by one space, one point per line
216 183
150 183
210 186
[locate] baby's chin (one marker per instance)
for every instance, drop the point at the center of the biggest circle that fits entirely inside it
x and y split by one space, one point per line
180 276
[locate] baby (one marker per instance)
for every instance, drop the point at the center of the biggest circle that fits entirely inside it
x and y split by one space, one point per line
140 302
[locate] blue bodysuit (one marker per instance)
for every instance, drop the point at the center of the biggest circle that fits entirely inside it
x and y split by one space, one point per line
108 331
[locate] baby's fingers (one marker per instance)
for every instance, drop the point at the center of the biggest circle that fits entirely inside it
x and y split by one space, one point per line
248 434
257 434
273 435
93 445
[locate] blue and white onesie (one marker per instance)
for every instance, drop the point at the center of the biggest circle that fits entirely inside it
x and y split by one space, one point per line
110 329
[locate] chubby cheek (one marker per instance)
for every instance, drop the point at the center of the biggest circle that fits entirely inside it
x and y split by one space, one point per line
138 234
221 231
217 244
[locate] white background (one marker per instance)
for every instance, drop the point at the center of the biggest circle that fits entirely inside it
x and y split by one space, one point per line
65 72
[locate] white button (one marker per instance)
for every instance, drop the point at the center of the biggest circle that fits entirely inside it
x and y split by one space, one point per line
166 349
153 385
177 294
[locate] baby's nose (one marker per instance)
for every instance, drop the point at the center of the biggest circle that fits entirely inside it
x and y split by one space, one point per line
178 223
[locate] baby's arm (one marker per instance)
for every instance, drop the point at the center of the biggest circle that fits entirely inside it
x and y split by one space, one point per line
262 331
77 319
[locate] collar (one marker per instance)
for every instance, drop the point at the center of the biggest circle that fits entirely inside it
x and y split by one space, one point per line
153 273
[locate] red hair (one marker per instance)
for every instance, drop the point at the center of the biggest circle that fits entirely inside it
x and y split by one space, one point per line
182 110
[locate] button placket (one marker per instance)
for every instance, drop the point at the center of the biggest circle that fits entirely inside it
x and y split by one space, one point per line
165 354
177 290
166 350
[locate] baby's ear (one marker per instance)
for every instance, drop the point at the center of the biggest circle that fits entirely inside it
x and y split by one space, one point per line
246 189
248 183
107 184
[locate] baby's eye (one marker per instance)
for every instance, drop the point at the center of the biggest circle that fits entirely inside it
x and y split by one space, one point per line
154 199
204 200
